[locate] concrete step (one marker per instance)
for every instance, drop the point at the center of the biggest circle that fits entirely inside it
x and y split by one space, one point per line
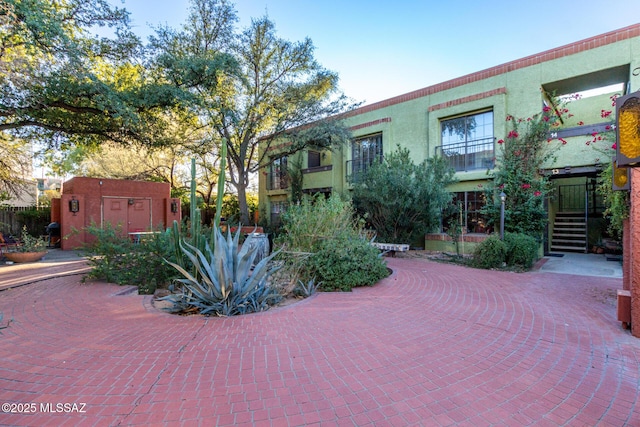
563 248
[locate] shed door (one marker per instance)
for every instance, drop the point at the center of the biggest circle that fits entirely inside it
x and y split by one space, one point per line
128 214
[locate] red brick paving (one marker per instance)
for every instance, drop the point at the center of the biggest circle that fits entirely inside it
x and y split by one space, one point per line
433 344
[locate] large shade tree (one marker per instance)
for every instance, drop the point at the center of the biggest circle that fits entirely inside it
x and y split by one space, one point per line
271 91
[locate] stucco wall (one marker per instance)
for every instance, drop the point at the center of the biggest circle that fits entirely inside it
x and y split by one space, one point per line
91 193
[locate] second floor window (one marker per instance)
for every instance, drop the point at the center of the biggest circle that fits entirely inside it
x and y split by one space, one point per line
364 151
467 141
278 178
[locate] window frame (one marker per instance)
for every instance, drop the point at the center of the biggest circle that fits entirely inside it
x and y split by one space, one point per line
469 152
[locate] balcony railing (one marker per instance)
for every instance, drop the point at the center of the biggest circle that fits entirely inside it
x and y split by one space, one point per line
277 181
356 167
469 155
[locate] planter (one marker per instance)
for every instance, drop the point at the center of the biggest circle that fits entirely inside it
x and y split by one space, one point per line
24 256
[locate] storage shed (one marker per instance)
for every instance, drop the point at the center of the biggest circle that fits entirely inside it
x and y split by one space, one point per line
132 206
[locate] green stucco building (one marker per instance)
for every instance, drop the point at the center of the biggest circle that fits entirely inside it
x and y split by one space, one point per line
597 69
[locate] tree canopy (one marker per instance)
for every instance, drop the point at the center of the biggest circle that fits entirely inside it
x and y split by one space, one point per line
71 90
273 90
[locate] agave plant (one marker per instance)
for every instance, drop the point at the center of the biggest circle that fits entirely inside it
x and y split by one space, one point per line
225 283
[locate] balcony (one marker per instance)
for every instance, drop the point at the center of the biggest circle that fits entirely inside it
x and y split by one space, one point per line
469 155
277 181
356 167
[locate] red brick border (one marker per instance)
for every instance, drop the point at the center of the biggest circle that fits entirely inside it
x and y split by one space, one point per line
371 123
475 97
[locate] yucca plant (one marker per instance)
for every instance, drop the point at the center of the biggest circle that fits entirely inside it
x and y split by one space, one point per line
224 283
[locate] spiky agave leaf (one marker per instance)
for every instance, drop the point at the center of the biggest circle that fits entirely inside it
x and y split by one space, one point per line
224 283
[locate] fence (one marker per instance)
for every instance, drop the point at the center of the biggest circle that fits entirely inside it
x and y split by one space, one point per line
12 219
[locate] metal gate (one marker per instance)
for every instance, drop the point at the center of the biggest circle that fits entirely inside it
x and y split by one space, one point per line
572 198
580 198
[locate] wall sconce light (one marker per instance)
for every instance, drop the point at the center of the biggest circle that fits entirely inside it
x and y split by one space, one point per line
74 206
621 180
131 201
174 206
627 126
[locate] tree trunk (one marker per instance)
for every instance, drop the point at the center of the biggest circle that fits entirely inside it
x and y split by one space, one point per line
242 202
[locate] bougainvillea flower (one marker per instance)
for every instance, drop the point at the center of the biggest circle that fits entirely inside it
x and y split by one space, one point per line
526 186
537 193
614 146
580 123
500 141
512 134
564 142
605 114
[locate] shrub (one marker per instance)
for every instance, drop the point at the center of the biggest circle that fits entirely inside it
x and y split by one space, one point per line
521 250
402 200
344 263
323 241
116 259
491 253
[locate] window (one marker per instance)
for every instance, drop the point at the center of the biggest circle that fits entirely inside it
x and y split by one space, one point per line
468 204
467 141
278 178
364 151
277 209
313 159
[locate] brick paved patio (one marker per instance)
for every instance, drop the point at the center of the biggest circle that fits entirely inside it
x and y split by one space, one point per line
432 345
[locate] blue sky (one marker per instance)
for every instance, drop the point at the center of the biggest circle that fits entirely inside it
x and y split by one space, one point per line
381 49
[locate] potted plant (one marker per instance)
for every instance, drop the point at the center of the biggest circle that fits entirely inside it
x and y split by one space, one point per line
30 248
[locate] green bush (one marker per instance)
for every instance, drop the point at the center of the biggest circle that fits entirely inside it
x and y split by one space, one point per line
491 253
322 240
116 259
344 263
521 250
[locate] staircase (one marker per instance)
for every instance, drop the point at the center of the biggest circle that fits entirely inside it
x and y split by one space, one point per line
569 232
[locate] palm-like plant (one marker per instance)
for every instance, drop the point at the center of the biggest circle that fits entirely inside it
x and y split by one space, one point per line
225 283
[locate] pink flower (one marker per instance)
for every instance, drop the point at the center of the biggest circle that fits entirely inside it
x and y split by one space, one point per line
526 186
594 134
509 117
512 134
580 123
537 193
545 118
614 146
564 142
546 109
501 186
501 141
605 114
607 127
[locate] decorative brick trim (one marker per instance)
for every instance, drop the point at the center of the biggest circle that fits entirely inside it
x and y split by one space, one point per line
477 96
371 123
549 55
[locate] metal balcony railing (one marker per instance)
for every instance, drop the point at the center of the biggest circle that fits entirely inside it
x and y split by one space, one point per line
355 168
469 155
277 181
